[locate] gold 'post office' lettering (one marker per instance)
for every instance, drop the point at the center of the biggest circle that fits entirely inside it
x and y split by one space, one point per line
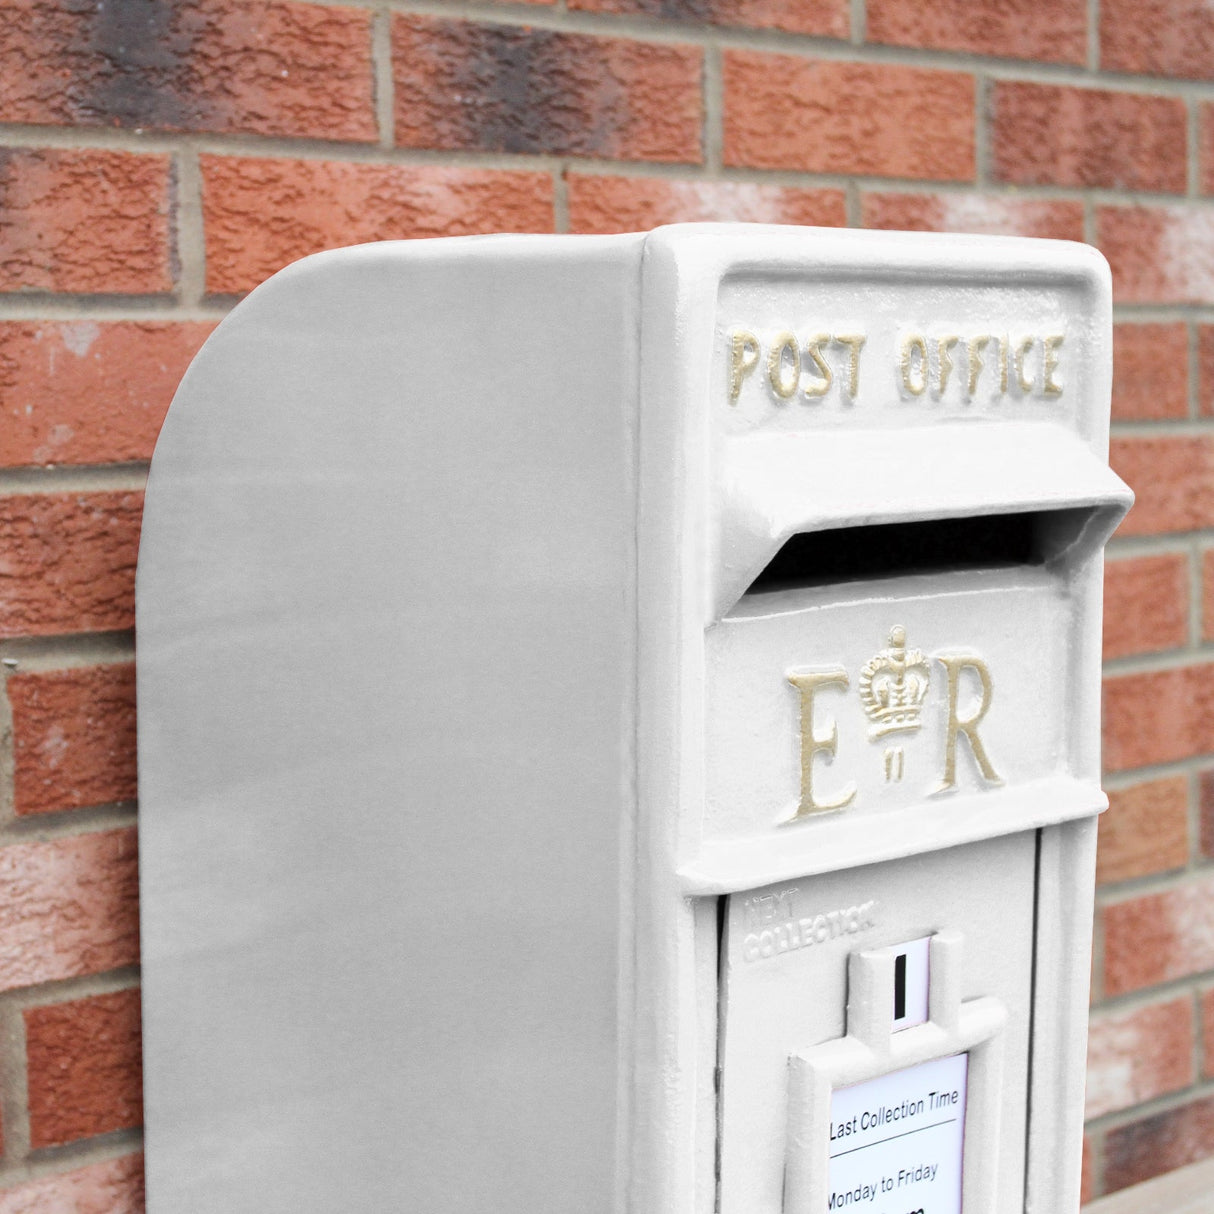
958 726
743 358
809 683
854 343
913 364
821 385
783 384
1050 364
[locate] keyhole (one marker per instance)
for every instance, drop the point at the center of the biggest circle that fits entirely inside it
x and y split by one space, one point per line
900 986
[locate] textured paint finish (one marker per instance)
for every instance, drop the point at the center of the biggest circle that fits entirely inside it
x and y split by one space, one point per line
1051 135
467 86
1054 31
83 1066
89 392
68 907
603 205
267 68
321 204
84 220
73 737
830 18
69 562
785 113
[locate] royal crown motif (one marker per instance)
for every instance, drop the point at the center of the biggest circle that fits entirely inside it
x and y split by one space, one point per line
893 686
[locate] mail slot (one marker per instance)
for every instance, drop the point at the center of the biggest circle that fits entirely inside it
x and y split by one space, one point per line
619 728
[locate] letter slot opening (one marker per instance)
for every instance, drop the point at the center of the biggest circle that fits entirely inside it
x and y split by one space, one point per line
869 552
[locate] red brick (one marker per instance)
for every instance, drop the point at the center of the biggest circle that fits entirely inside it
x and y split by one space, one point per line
112 1187
1049 135
1157 1144
1173 479
73 737
1207 1032
1157 37
67 562
1159 254
1205 368
830 18
1206 812
1159 937
1087 1187
1137 1055
1146 604
465 86
1051 30
85 221
995 214
820 116
1158 716
1207 595
1150 371
1145 830
84 1069
88 392
189 65
68 907
636 204
320 204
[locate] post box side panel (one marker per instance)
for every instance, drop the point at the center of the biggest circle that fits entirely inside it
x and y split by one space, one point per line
386 687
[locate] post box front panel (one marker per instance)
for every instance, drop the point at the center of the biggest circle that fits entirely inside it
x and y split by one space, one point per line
871 699
785 990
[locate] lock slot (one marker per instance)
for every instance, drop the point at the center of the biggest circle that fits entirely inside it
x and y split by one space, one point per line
864 553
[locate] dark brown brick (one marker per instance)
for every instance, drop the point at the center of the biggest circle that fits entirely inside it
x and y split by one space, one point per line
467 86
1157 1144
830 18
267 67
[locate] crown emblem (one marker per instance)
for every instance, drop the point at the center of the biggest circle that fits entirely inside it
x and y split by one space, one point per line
893 686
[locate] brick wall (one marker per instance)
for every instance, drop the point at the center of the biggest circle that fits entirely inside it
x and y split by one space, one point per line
160 157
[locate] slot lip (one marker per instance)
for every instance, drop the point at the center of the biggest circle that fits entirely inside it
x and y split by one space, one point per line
953 543
769 491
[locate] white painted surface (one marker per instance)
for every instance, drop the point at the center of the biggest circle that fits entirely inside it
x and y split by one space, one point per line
454 721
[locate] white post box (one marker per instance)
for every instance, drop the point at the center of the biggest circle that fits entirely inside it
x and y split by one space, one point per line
618 727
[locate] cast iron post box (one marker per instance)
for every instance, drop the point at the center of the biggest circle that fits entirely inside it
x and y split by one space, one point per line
619 729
